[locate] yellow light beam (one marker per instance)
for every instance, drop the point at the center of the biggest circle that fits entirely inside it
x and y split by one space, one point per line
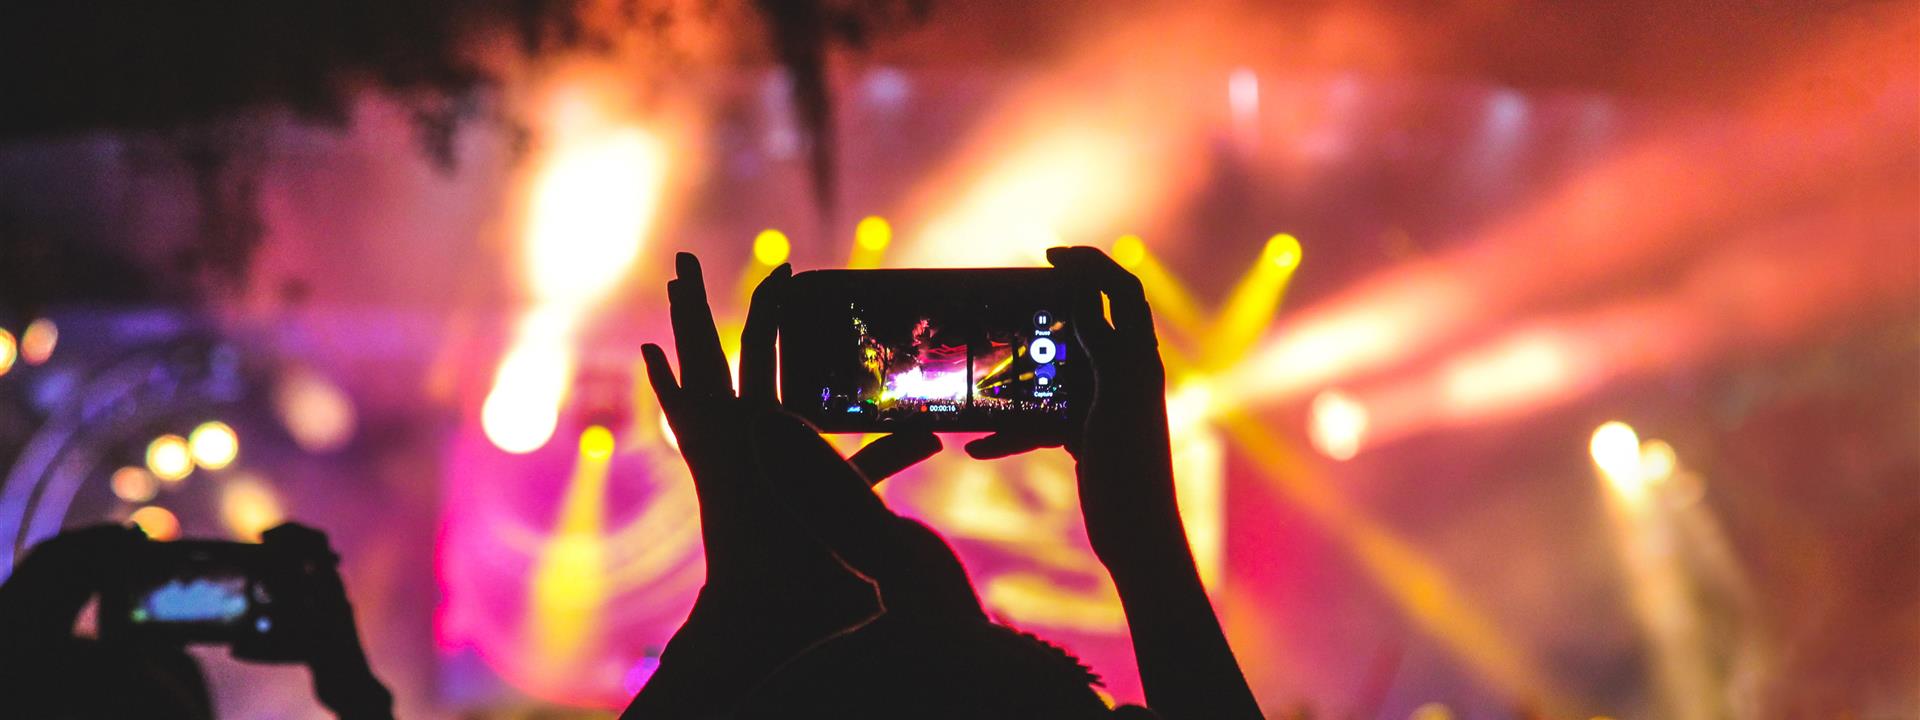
1253 302
569 576
1173 306
1420 588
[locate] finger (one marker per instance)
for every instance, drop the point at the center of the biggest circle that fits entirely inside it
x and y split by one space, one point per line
660 376
999 445
756 338
1089 319
925 576
824 491
915 569
1132 320
887 456
703 365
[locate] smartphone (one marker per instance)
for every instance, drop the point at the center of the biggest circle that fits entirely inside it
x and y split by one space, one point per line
191 591
941 350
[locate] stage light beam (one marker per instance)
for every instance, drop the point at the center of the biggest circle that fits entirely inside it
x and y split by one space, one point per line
593 202
570 578
1251 307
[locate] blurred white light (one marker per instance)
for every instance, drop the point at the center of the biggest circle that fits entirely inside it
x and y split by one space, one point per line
525 406
1339 424
1657 461
213 445
1615 449
591 207
1243 94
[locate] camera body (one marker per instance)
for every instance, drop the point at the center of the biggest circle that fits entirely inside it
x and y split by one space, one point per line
200 592
942 350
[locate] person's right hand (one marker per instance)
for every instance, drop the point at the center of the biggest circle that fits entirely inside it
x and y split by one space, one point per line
1125 473
1125 463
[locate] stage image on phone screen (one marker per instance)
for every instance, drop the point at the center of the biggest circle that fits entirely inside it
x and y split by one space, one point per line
941 349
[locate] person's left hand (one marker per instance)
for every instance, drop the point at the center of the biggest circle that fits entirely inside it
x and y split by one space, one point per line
772 589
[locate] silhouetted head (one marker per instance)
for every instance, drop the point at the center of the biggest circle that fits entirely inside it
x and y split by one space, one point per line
933 668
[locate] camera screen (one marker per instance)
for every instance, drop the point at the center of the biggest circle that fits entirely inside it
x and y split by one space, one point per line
193 590
213 599
941 349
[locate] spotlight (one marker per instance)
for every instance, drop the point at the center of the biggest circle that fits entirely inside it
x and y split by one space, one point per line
1616 451
169 458
771 247
1129 250
596 443
1283 251
873 233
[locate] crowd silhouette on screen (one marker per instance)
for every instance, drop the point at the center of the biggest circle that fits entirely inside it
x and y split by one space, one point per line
819 600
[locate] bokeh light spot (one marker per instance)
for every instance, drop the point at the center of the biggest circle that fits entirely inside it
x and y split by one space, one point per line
213 445
169 458
133 484
157 522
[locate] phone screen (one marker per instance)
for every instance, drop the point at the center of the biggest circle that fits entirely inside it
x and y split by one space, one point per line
873 350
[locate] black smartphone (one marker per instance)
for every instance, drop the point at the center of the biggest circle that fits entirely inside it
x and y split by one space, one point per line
192 591
941 350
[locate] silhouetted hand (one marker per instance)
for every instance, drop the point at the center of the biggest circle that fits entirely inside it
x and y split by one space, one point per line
1125 477
317 626
43 598
772 588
